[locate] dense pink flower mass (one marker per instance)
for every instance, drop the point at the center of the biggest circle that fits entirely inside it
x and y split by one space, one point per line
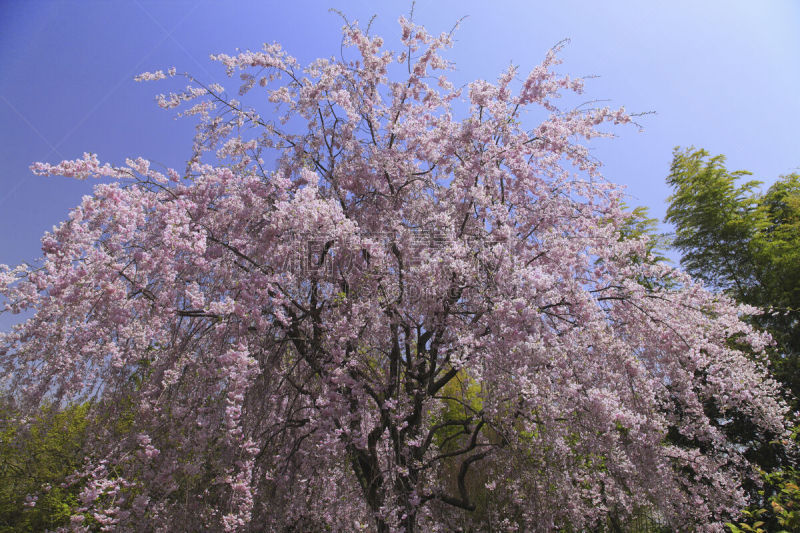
421 317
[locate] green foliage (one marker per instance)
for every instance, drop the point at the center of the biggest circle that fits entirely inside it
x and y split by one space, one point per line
462 401
743 242
35 460
779 508
714 218
640 223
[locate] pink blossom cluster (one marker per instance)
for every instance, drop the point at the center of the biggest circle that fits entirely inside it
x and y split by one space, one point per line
155 76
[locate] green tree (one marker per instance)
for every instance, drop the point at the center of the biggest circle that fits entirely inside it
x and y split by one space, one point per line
639 223
36 458
744 242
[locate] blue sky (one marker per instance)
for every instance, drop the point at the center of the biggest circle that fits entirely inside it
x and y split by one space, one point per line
719 74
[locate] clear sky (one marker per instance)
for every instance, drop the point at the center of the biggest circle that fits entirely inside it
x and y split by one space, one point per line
719 74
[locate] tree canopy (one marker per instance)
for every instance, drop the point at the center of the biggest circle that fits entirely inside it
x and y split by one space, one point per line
745 242
421 306
37 457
